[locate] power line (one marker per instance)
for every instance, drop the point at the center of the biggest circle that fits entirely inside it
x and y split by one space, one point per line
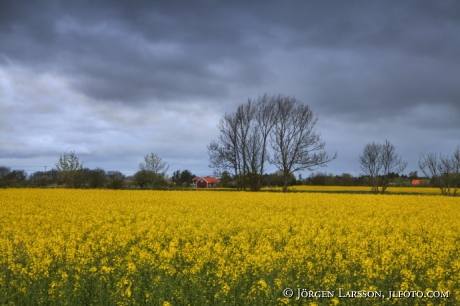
22 167
26 166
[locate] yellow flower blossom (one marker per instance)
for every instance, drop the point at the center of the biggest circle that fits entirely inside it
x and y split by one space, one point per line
223 248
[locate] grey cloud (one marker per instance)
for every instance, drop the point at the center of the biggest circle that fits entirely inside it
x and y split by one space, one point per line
363 65
122 59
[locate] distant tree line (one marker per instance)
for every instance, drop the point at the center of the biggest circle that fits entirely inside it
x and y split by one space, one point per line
69 172
12 178
347 179
441 171
319 178
182 178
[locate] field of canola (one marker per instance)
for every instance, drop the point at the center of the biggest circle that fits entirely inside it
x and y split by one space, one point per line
102 247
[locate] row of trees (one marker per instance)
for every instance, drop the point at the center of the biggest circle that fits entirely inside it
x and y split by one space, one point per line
347 179
377 161
84 177
152 172
11 178
318 178
275 129
99 178
69 172
182 178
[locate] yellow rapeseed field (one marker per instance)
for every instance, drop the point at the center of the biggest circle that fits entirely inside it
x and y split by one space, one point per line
102 247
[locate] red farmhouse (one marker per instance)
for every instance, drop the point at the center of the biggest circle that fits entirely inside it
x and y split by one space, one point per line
420 182
205 182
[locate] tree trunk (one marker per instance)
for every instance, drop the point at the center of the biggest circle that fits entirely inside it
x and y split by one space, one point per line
286 179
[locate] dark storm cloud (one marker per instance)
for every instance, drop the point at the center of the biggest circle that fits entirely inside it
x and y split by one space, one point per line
133 53
375 59
401 53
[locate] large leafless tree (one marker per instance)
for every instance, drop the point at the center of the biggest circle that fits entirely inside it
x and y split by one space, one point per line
379 161
295 144
242 142
281 124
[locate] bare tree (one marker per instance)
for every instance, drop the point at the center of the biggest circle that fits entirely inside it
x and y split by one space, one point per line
224 153
266 119
155 167
371 163
391 163
429 166
456 169
443 171
379 162
296 145
242 142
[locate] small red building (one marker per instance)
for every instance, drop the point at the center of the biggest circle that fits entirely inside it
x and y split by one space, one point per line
420 182
205 182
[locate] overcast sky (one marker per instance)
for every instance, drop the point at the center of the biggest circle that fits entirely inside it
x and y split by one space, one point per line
116 80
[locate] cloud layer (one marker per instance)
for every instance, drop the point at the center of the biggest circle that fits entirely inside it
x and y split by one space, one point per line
115 81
